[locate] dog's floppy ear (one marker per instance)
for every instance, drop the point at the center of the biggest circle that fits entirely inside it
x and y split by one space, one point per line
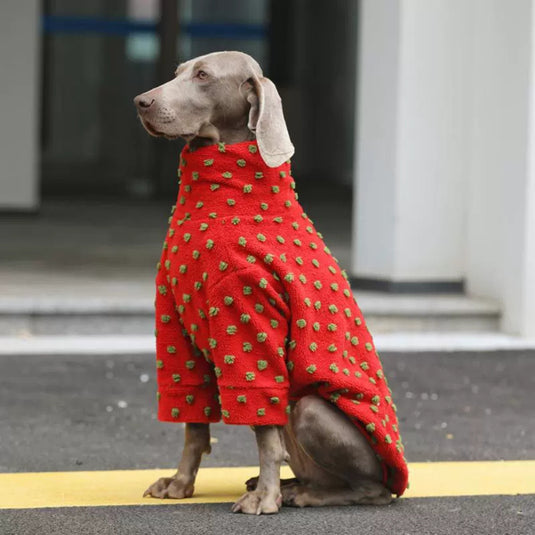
266 120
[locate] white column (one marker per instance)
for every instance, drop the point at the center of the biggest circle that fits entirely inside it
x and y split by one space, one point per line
411 158
19 64
501 212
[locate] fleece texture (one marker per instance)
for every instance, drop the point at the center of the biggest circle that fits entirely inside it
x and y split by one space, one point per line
253 311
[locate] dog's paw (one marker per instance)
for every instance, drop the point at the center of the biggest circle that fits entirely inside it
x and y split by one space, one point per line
293 496
258 502
170 487
251 483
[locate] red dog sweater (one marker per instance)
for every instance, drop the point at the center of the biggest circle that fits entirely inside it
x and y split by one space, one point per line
252 310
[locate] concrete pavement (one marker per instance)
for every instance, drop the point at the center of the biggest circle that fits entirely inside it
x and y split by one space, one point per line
96 412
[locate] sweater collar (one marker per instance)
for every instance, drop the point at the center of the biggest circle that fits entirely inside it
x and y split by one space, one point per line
233 178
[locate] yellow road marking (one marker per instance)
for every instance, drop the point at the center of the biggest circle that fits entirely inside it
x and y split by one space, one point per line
125 487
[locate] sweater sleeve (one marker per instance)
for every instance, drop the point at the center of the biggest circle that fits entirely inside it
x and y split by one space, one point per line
187 390
248 329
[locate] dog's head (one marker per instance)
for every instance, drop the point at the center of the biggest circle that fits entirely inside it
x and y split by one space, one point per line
215 96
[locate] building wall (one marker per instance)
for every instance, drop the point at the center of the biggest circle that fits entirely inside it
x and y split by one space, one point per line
19 126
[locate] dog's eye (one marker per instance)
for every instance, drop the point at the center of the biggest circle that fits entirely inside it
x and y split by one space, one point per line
201 75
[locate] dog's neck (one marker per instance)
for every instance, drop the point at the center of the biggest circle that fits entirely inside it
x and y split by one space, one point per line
210 134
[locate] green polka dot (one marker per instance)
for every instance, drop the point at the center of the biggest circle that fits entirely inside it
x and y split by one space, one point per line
261 412
368 346
261 237
317 305
229 359
190 364
165 318
259 175
311 369
240 163
268 259
247 290
214 187
261 337
208 162
263 283
232 329
334 287
171 350
190 399
183 268
203 226
302 278
228 300
275 189
334 368
313 346
301 323
245 318
226 174
261 364
251 259
223 265
332 348
235 220
318 285
307 302
175 412
280 239
247 347
207 411
176 377
264 206
250 376
333 309
253 149
225 413
195 254
289 277
277 219
370 427
247 188
209 244
200 204
279 378
376 400
159 364
274 323
231 202
354 340
365 366
241 398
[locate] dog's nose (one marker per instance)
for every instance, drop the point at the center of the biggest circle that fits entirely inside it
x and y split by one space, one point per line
143 102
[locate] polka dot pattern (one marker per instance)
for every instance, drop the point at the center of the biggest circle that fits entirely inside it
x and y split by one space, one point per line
252 310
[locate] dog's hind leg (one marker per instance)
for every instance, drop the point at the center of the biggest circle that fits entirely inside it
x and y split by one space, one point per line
181 485
332 460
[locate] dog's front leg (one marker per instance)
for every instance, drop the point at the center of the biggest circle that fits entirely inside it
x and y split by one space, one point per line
181 485
266 498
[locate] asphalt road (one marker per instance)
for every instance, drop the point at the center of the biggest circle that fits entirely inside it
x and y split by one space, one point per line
95 413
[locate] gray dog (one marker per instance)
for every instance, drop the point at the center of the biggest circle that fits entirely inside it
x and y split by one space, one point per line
339 456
